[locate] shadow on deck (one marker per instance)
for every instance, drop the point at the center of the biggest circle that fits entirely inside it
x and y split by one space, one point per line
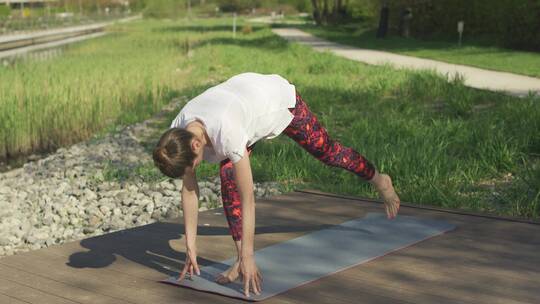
484 260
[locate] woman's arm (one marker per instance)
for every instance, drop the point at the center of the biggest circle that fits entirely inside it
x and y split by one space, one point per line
190 205
244 181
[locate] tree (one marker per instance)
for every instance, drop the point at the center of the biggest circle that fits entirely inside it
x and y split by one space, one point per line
326 11
383 20
316 11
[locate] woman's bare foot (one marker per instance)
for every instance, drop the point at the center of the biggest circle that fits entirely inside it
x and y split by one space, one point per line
229 275
384 186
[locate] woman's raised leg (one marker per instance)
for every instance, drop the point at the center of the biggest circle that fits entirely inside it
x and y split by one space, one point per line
306 130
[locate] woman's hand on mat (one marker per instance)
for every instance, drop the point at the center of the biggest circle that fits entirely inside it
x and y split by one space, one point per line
190 266
250 275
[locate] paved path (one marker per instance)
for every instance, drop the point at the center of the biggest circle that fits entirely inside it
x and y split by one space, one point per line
474 77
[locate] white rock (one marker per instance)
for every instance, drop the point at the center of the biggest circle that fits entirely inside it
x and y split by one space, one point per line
149 208
22 195
177 184
167 185
94 221
117 212
19 233
205 192
68 233
106 211
48 218
170 192
4 239
90 195
72 210
74 221
35 246
156 196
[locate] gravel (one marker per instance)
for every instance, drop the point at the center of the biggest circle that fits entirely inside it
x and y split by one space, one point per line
65 196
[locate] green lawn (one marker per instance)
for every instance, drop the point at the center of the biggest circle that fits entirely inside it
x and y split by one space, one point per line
443 143
476 53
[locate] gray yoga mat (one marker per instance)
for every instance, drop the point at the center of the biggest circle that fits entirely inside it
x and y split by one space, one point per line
318 254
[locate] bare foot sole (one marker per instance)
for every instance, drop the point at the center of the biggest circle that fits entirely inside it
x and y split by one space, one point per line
230 275
388 195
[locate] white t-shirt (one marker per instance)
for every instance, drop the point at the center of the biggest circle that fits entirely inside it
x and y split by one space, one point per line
239 112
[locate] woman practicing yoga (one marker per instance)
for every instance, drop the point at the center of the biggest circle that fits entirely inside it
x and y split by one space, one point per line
221 125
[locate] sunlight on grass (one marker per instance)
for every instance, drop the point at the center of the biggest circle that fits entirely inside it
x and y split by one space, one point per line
441 142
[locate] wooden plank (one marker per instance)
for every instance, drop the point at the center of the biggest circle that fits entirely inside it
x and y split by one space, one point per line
79 294
425 207
142 252
28 294
100 281
335 290
494 249
483 260
453 289
4 299
207 242
446 214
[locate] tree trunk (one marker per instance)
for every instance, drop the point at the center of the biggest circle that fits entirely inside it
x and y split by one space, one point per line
325 12
316 12
383 20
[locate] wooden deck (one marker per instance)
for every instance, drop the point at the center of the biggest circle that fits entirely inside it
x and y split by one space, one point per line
482 261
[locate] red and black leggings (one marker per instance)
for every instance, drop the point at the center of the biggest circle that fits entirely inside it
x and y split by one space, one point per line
306 130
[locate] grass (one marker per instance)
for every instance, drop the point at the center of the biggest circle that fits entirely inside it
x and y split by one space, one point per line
478 52
443 143
120 78
143 172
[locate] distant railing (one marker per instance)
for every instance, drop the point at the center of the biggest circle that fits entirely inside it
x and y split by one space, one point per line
20 40
18 25
33 39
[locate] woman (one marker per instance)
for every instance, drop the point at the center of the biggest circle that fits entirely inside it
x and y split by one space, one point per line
222 125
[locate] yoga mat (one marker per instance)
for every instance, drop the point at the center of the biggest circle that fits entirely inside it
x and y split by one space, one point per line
318 254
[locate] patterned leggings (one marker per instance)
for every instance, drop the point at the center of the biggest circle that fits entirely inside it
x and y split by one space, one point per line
306 130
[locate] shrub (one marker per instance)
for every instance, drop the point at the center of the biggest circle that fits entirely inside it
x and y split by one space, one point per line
247 29
4 10
514 23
